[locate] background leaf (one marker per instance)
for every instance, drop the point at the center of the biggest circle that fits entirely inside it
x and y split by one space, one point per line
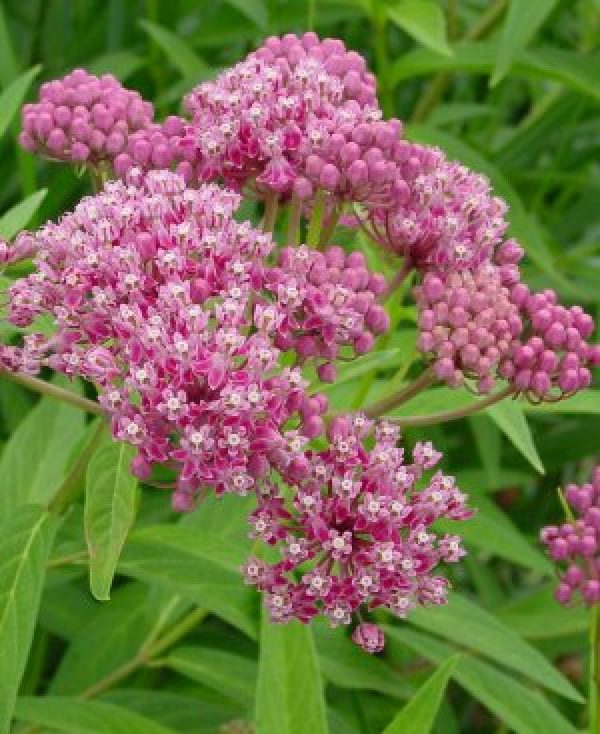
289 697
17 218
110 498
418 716
26 537
424 21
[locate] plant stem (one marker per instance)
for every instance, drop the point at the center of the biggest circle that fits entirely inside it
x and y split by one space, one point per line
594 679
146 653
73 483
329 226
439 83
53 391
316 220
452 415
397 280
293 227
393 401
270 215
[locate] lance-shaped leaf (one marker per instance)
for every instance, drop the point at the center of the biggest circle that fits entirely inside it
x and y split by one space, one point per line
289 696
25 542
85 717
418 716
110 500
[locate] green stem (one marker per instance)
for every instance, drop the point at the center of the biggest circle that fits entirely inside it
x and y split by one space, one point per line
53 391
294 215
73 483
316 220
146 653
67 560
329 226
594 680
452 415
393 401
382 58
96 178
270 215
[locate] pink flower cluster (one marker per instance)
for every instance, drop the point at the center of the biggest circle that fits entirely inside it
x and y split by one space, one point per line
442 215
330 303
165 302
467 323
553 357
576 544
353 531
83 118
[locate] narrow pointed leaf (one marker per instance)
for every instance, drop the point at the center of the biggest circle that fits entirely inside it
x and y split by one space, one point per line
509 417
522 22
424 21
12 97
74 716
110 498
17 218
418 716
254 10
26 537
523 710
35 459
289 696
179 53
468 624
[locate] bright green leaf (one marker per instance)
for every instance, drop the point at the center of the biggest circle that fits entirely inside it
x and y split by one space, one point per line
227 673
289 697
508 416
110 497
17 218
522 22
468 624
35 458
26 537
418 716
12 97
424 21
74 716
525 711
181 55
254 10
122 64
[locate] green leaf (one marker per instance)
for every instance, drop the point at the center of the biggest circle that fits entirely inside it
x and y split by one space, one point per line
424 21
468 624
522 22
523 710
418 716
35 459
493 531
75 716
289 696
123 626
508 416
26 537
110 499
587 401
17 218
207 582
538 616
229 674
254 10
122 64
346 666
9 67
12 97
181 55
574 69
